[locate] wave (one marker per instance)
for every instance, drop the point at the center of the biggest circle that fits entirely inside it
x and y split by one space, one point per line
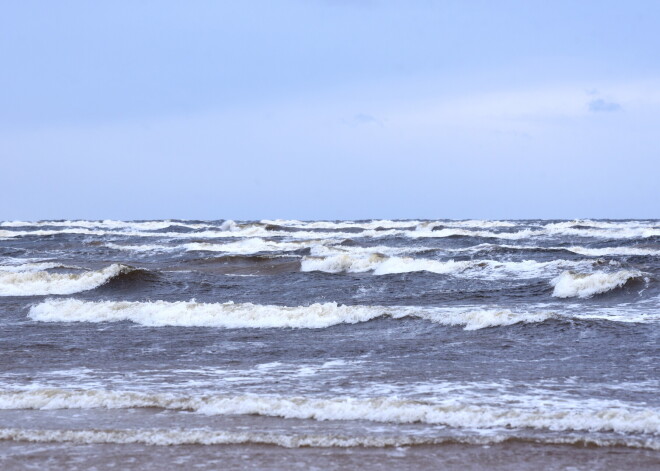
582 285
554 415
108 224
310 230
539 232
252 246
473 223
326 250
39 283
143 247
248 230
381 264
257 230
242 247
315 316
386 224
338 225
205 436
580 223
230 225
580 250
248 315
18 267
622 232
43 233
424 231
191 313
255 245
605 251
325 247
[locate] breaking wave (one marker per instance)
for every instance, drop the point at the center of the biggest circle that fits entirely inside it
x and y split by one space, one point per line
248 315
31 282
143 247
607 251
251 246
623 224
426 231
510 230
108 224
381 264
620 232
584 285
338 225
554 415
586 251
18 267
386 224
205 436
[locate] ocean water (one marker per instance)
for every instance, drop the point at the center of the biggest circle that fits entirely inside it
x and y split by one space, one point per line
330 344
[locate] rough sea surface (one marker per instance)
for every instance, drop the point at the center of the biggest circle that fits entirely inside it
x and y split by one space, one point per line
330 345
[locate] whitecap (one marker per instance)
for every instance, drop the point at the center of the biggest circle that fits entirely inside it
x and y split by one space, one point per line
582 285
38 283
381 264
248 315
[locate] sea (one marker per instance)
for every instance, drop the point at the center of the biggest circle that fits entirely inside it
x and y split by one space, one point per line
373 344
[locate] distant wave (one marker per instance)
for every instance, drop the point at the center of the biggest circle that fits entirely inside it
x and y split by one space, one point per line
384 265
230 225
108 224
582 285
424 231
581 223
523 412
251 246
543 232
255 245
248 246
249 230
26 266
338 225
586 251
619 233
30 282
144 247
606 251
374 229
329 247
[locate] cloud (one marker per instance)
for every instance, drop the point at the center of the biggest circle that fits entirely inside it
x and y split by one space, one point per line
363 119
601 106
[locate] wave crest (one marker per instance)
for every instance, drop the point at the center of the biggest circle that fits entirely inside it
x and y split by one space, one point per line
248 315
581 285
39 283
381 264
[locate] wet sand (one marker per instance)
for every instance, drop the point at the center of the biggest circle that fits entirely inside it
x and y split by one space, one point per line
511 456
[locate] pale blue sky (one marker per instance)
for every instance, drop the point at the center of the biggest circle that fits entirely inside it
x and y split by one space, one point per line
329 109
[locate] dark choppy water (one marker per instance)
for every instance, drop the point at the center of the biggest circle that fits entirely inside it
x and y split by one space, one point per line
413 336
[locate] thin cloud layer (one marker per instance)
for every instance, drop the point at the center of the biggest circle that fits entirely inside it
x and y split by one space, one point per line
602 106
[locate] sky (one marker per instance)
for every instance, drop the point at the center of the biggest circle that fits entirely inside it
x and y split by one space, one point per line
341 109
